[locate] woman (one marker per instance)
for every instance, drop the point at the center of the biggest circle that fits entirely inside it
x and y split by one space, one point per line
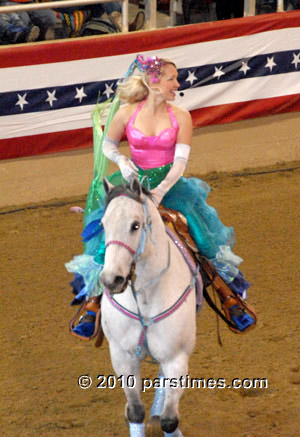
159 135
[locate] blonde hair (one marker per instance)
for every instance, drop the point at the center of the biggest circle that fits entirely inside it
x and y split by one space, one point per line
136 87
132 90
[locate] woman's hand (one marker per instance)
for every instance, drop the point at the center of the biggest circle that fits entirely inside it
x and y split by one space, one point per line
128 169
157 196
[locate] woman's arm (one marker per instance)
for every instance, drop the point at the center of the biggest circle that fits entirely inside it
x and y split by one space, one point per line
118 124
110 146
185 131
182 150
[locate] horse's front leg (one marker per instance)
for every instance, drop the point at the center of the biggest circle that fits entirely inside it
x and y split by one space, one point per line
174 372
127 368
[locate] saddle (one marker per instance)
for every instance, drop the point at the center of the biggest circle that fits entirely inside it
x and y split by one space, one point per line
235 311
231 304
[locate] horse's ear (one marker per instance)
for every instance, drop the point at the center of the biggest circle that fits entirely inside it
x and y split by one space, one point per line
107 186
135 187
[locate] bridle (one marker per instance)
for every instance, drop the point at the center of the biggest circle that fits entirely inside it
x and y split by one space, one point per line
146 229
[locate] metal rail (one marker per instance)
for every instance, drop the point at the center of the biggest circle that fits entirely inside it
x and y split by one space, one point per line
65 3
150 9
249 9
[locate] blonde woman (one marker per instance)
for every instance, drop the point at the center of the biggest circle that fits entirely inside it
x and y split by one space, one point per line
159 134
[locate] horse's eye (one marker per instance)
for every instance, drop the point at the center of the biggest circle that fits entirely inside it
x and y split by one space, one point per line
135 226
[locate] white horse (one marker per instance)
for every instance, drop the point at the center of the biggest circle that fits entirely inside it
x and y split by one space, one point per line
148 306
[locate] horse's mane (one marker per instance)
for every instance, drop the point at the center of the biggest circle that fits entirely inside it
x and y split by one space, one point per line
125 190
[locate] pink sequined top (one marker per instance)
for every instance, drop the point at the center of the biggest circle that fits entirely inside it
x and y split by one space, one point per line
152 151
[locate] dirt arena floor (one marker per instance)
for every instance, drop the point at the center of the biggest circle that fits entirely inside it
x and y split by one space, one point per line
41 362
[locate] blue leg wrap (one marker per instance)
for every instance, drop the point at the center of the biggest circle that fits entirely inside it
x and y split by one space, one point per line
137 429
159 400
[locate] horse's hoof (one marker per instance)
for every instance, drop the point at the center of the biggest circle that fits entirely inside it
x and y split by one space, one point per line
154 419
176 433
169 425
153 428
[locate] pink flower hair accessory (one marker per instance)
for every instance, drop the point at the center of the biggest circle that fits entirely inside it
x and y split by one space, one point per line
151 66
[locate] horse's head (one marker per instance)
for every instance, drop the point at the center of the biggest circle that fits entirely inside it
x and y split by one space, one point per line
126 223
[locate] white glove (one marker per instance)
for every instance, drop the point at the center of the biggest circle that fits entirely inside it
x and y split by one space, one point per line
157 195
128 169
182 152
172 177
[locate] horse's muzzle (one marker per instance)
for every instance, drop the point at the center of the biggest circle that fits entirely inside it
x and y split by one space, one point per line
114 284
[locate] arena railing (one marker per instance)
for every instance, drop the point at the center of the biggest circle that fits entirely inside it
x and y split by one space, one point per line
249 9
150 9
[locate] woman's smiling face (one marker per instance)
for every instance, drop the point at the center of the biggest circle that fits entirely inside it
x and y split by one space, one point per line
168 83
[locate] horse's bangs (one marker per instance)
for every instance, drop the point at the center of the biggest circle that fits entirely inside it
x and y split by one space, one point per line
124 190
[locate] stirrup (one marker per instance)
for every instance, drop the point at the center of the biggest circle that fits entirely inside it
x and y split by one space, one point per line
90 305
236 312
240 313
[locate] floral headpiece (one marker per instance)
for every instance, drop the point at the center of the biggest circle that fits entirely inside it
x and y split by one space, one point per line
151 66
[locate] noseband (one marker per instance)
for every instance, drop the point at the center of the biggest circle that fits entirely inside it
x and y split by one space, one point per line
119 243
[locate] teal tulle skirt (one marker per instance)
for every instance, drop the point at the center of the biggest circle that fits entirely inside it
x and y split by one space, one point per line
188 196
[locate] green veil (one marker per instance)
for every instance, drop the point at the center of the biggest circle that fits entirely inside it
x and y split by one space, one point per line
101 163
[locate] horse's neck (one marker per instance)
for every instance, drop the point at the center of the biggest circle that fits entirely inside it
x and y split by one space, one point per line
156 253
172 279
